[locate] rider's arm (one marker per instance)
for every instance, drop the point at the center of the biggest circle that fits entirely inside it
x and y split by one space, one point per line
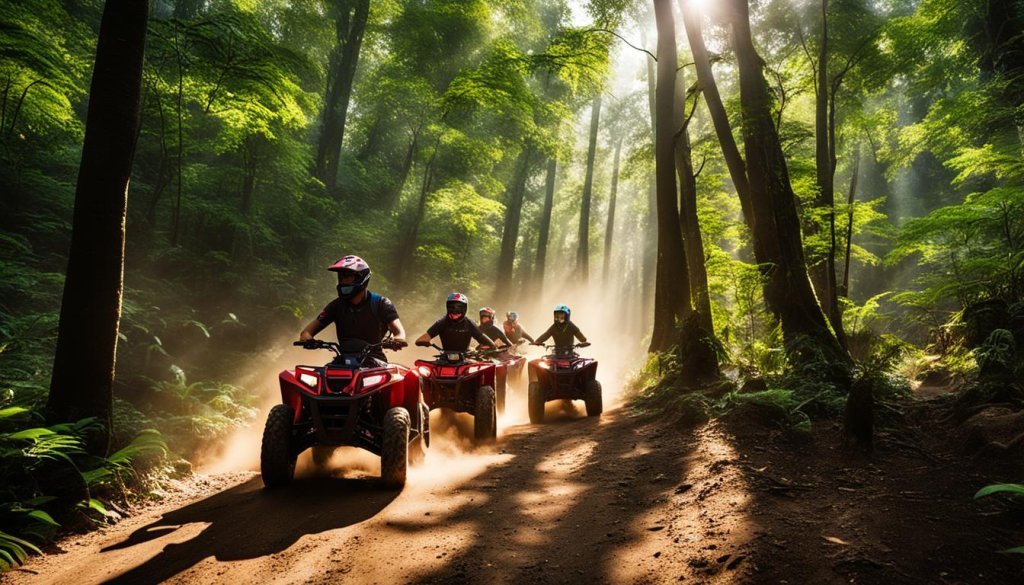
310 331
579 334
397 330
431 333
525 335
317 325
479 336
544 336
503 338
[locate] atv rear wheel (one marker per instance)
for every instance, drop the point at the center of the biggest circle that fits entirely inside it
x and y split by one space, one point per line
277 461
592 397
485 419
535 401
394 454
417 449
500 395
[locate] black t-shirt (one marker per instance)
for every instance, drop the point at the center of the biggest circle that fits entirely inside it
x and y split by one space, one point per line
455 335
495 333
358 321
563 334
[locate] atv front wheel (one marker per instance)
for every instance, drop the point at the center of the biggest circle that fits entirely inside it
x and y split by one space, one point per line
485 419
535 401
394 454
592 397
277 462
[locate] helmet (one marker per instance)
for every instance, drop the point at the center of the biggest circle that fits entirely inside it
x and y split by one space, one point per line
563 309
512 316
457 303
488 312
351 265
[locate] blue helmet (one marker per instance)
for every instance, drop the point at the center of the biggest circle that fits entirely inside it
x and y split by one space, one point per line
563 309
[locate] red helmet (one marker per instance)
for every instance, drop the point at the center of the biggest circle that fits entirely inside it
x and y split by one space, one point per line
351 265
488 312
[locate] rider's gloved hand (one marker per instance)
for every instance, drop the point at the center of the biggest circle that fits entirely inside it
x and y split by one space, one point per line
585 344
399 343
423 343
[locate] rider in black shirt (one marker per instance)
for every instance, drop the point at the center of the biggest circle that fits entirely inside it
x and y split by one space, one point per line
357 313
490 329
455 329
562 330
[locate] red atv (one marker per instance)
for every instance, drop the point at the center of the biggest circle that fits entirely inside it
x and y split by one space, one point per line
565 375
355 400
509 365
462 381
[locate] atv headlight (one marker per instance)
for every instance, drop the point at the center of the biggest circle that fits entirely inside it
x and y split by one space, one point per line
374 380
454 356
424 371
545 365
309 380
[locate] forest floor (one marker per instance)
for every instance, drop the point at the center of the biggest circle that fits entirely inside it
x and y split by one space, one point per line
619 499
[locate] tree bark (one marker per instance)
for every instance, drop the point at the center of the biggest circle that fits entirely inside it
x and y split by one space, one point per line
844 290
403 174
350 26
719 117
510 232
83 365
407 249
583 251
609 230
788 292
545 225
823 270
671 291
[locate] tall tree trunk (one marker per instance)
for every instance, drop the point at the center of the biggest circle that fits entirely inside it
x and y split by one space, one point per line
83 365
698 359
583 251
510 232
403 174
609 230
719 117
671 292
844 290
545 225
407 248
689 224
823 270
650 248
788 292
350 25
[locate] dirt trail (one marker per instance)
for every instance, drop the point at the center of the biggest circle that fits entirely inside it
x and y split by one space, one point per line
609 500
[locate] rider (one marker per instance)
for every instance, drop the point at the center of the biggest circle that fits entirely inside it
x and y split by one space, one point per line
489 329
357 313
513 329
455 328
563 330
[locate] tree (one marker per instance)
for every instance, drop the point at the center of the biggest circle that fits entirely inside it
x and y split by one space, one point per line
788 291
545 224
583 250
83 365
350 21
609 230
672 287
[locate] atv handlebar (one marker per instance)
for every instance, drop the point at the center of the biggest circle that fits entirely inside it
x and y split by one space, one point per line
554 346
388 343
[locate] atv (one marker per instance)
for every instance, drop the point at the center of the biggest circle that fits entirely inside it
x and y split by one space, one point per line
462 381
355 400
509 365
563 374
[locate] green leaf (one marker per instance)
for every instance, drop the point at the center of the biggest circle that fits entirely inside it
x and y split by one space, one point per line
1005 488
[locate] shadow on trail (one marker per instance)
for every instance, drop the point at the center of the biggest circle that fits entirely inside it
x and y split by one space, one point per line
563 509
247 522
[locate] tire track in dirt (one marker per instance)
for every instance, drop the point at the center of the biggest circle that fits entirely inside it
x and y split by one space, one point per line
578 499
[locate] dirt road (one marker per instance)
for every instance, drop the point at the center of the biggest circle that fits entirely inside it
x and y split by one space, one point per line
579 500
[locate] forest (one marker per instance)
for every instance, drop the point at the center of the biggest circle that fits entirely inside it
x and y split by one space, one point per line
791 230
